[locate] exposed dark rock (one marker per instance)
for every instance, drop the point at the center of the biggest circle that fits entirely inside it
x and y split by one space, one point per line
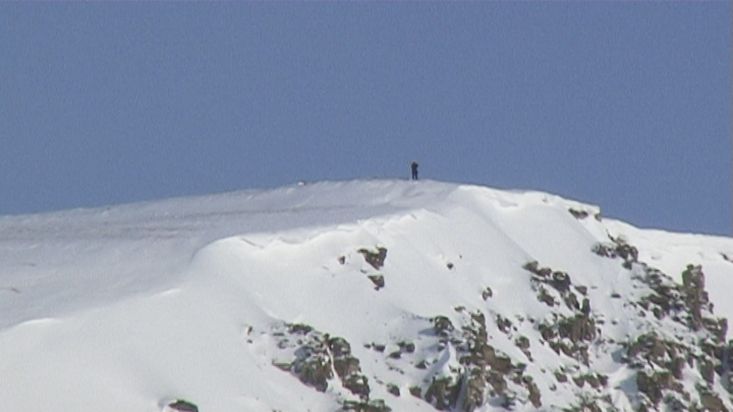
652 384
487 293
535 397
523 344
594 380
405 346
535 268
283 366
547 331
544 297
393 389
578 328
561 377
346 366
317 355
376 405
707 370
475 387
357 384
560 281
378 347
500 363
585 308
570 335
571 301
711 402
587 403
375 259
618 248
442 325
313 367
299 328
442 393
182 406
677 366
339 346
578 214
650 347
497 382
416 391
504 324
378 281
718 327
560 285
693 287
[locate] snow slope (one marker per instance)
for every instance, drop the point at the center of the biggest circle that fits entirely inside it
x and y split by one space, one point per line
130 307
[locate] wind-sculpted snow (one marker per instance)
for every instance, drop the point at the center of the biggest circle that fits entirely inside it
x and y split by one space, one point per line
365 296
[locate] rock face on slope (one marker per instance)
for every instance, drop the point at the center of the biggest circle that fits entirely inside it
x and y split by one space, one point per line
679 361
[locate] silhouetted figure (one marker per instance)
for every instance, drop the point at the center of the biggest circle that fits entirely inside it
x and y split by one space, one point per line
413 167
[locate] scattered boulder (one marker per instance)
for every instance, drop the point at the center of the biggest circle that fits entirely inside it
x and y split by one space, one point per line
377 280
181 405
560 281
416 391
487 293
578 214
406 346
374 258
442 325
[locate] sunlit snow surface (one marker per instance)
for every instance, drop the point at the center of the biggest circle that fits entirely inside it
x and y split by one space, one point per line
127 307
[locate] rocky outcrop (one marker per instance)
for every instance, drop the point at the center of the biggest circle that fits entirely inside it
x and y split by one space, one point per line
618 247
671 346
317 358
376 257
693 288
545 280
377 280
485 373
181 405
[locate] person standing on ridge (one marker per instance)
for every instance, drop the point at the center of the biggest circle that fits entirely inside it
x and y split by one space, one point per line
413 167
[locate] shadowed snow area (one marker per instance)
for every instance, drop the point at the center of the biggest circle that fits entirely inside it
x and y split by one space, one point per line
130 307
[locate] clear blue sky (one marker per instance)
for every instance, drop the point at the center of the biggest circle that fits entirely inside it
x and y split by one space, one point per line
626 105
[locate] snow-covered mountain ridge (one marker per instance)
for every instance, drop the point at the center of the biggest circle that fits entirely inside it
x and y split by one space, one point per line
362 295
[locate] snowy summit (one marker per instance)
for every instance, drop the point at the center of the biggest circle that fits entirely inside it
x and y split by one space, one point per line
368 296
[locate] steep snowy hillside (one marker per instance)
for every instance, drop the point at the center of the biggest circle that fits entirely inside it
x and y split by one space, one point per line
363 296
